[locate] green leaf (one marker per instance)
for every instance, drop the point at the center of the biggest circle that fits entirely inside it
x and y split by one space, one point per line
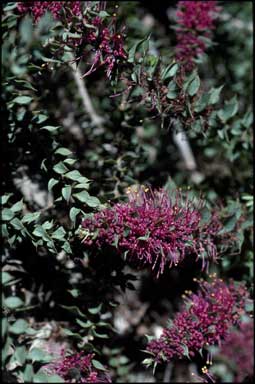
13 302
193 87
5 198
70 161
40 377
103 14
17 207
66 247
60 168
74 310
148 362
73 214
229 110
55 379
59 233
88 323
249 306
17 224
215 95
51 184
37 354
68 332
84 197
74 292
185 350
7 214
135 48
205 215
29 217
50 128
145 237
73 175
26 30
63 151
28 373
10 7
41 118
229 225
66 192
22 100
170 71
95 310
19 327
6 277
100 335
171 95
39 231
98 365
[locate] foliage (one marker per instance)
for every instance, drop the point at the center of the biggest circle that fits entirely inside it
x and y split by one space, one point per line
94 97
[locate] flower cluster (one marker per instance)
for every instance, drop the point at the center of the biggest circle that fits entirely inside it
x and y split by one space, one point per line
99 37
195 22
38 8
78 367
154 229
239 350
108 45
205 319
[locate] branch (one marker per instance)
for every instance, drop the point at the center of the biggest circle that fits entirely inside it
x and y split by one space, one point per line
182 142
88 106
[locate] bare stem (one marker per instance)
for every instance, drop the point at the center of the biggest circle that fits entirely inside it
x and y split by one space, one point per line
182 142
167 373
88 106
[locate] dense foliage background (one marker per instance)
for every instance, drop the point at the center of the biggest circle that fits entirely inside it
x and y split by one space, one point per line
73 145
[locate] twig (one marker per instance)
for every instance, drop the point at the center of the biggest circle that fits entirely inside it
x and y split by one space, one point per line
95 118
168 373
182 142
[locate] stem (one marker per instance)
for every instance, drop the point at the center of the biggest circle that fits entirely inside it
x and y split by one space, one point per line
167 373
182 142
88 106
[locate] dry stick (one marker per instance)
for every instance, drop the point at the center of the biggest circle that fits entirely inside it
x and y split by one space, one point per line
168 373
95 118
182 142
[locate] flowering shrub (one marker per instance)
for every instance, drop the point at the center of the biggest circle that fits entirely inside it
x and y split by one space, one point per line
79 367
195 21
204 320
154 229
90 32
74 144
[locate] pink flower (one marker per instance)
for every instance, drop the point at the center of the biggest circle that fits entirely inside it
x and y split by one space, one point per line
154 229
79 367
38 8
195 20
205 319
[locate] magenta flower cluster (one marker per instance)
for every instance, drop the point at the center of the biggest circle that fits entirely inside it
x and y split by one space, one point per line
79 367
38 8
239 350
108 45
205 319
195 21
154 229
99 36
